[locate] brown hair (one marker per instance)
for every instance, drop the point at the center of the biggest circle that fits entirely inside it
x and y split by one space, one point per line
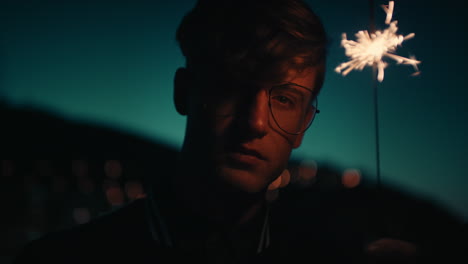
254 39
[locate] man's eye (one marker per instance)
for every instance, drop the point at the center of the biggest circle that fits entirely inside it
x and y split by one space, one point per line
283 99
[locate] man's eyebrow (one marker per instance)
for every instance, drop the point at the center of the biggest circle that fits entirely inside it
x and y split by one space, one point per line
291 86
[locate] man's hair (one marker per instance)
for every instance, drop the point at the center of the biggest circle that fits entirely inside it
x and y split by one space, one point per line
253 39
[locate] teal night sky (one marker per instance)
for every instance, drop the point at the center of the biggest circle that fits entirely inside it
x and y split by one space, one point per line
113 62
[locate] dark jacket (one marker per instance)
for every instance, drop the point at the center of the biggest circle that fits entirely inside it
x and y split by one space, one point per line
306 227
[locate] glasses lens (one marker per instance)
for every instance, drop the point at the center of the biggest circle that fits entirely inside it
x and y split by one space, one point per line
292 107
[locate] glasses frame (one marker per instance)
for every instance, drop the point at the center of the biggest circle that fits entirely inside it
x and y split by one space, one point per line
317 111
314 100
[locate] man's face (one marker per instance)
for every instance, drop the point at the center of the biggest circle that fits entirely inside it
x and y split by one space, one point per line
231 123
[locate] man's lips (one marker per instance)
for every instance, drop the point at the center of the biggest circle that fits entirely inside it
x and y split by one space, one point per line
247 151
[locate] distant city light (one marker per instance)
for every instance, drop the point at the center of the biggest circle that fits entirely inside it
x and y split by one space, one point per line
81 215
115 195
134 190
307 172
113 169
351 178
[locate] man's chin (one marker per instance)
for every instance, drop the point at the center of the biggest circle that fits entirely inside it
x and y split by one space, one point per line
244 180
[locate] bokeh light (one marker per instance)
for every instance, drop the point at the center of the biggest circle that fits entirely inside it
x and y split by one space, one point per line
307 172
114 194
134 190
351 178
81 215
113 169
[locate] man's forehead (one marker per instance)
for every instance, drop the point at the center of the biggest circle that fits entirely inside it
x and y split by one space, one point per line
305 77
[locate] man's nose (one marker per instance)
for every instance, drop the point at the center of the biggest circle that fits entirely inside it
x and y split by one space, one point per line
257 114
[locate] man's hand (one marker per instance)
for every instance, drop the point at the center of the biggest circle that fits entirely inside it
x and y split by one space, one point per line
388 250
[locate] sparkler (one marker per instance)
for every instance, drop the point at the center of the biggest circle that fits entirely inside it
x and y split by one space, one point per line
370 49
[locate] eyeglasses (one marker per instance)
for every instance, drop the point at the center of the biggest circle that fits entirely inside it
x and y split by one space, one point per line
292 106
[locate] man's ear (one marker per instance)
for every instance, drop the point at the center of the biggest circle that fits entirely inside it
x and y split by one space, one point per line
181 83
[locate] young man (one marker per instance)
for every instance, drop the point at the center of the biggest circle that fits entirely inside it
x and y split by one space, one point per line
249 88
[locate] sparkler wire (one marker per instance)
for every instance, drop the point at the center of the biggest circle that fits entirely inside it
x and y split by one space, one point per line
380 211
376 123
376 102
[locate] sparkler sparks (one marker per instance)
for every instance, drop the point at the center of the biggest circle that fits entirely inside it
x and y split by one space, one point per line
370 49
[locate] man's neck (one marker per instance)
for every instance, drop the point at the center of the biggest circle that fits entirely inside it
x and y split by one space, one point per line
201 215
